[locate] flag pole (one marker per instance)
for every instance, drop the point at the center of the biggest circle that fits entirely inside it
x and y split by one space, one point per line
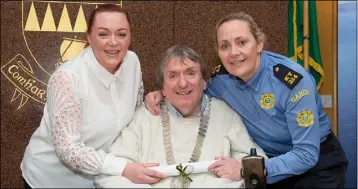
305 35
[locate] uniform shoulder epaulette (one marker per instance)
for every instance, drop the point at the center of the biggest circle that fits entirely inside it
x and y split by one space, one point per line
286 75
219 70
275 55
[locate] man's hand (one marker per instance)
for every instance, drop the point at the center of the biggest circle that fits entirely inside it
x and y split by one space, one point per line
152 100
226 168
138 173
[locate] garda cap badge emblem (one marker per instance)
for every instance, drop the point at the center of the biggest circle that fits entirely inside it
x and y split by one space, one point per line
305 118
267 101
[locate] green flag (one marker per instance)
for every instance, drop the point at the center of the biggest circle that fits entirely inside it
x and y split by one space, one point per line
295 39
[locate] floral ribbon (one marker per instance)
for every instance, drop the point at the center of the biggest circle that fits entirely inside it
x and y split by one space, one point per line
183 175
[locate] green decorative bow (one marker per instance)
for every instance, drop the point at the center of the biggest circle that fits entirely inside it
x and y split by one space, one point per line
184 177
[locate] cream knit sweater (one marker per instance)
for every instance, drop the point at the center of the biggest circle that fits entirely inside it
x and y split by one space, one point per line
142 141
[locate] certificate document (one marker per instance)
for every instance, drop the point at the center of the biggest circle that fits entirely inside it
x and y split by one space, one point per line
196 167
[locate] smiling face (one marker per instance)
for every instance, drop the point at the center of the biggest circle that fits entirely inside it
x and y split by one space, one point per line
110 38
183 85
238 49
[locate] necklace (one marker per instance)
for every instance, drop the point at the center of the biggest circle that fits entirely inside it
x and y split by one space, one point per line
195 156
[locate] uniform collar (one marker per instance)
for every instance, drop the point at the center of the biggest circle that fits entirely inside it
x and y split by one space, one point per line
102 73
178 114
255 82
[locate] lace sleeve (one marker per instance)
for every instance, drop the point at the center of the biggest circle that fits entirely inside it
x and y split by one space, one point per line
65 117
140 95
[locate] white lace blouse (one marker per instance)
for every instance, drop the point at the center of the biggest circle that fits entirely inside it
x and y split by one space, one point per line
86 108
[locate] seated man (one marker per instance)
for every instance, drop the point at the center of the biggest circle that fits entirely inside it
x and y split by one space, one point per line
192 127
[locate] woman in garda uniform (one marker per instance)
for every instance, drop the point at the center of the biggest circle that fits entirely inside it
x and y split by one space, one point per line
90 99
280 106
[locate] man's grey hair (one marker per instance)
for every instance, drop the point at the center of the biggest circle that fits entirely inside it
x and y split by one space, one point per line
182 52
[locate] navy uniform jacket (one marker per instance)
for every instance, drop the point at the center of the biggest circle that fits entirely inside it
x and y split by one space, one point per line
282 111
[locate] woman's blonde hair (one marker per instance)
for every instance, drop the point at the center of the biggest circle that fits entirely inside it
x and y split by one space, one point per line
258 34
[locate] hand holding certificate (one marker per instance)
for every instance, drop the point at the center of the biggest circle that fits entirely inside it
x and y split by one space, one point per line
198 167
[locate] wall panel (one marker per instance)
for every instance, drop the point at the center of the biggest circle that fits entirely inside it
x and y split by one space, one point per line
156 26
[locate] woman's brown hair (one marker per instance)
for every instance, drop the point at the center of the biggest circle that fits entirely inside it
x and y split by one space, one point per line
105 8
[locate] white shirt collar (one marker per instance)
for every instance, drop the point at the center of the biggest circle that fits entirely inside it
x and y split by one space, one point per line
102 73
179 115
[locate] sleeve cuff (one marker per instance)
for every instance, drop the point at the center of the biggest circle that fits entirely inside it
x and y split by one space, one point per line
268 171
113 165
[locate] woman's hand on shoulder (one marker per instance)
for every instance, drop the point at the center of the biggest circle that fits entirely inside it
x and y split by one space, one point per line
152 100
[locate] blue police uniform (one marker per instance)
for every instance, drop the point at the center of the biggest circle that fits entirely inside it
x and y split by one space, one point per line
282 112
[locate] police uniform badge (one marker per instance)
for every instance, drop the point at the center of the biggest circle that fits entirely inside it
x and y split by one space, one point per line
267 101
286 75
305 118
218 70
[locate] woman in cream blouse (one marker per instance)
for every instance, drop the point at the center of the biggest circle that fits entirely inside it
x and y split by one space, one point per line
90 99
191 128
